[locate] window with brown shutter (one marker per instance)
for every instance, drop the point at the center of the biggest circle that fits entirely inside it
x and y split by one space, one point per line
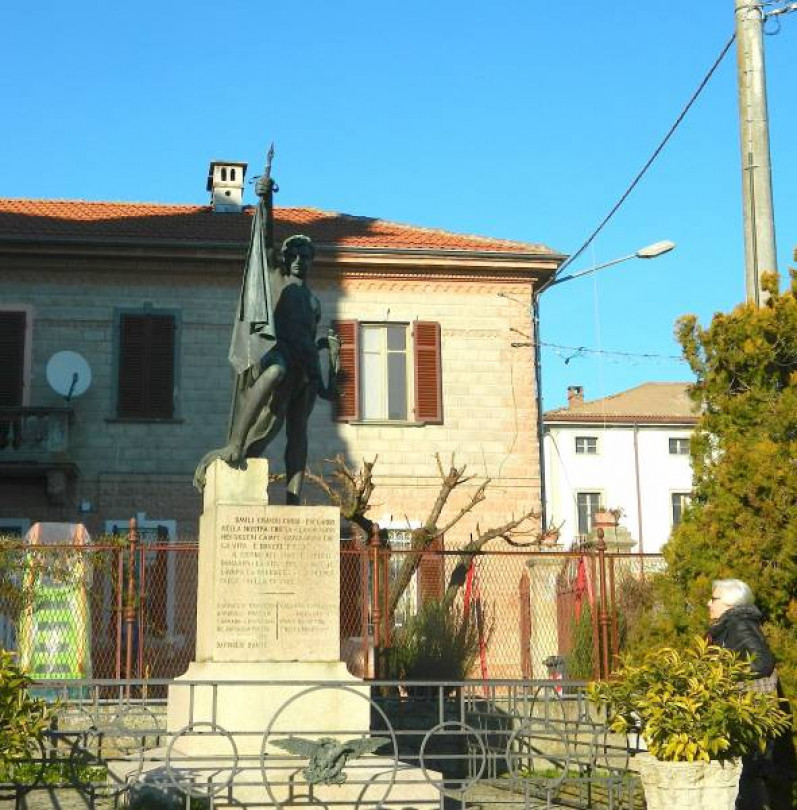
146 366
428 373
378 362
12 358
347 405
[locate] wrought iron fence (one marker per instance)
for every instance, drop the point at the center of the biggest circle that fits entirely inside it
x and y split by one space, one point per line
529 744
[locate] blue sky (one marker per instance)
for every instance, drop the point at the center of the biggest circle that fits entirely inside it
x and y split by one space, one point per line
516 119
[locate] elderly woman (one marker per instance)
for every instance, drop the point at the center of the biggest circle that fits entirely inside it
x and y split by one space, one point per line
767 778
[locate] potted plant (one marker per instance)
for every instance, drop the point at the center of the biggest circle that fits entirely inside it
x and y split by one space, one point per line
696 718
607 518
550 535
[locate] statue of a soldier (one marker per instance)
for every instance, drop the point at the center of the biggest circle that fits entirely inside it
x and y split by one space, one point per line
274 350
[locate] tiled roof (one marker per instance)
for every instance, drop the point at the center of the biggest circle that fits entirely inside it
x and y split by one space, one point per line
652 402
115 221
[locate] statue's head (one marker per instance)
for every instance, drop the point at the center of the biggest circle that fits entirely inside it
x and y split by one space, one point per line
297 255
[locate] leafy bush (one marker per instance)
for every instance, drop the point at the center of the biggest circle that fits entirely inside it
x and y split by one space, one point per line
23 719
691 705
438 643
581 659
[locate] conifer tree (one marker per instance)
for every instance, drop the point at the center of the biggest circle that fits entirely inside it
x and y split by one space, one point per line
742 521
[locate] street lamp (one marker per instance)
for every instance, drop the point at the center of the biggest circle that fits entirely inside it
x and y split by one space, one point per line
650 252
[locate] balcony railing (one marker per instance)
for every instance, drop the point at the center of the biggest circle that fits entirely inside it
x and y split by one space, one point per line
34 434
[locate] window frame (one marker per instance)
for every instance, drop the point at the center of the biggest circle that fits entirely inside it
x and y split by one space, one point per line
588 441
143 524
384 354
592 509
147 310
678 442
685 498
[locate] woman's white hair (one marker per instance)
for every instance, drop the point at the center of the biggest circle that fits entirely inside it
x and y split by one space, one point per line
734 591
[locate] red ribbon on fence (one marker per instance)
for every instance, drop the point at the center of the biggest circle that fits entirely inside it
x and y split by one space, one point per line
473 598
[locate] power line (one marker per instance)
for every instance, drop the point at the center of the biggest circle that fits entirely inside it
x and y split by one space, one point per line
650 160
581 350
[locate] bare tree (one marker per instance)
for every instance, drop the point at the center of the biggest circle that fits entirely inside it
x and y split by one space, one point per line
351 491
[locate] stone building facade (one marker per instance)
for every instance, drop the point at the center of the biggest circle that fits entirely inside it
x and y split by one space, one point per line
125 284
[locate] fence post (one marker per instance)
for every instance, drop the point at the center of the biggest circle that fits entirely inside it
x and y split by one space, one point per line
130 601
524 595
603 613
376 602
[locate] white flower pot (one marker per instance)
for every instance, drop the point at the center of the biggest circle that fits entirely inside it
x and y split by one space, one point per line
689 785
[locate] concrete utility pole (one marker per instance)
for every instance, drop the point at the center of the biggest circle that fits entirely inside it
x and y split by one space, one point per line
759 223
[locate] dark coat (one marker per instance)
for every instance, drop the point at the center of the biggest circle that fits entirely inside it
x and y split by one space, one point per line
739 629
766 777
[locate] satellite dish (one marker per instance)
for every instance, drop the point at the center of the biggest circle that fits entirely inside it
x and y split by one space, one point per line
68 374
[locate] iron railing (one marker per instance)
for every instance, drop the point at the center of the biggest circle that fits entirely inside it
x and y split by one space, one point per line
34 434
518 744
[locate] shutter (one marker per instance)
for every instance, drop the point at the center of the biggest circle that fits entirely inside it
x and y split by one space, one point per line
432 572
160 385
146 366
428 373
132 372
347 405
12 358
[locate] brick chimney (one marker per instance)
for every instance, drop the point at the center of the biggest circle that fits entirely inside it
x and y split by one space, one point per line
226 186
575 395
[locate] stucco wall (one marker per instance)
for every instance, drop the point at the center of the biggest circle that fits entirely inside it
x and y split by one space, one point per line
612 472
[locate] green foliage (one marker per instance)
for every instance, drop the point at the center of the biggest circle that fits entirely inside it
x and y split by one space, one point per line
21 566
23 719
581 660
438 643
691 705
743 518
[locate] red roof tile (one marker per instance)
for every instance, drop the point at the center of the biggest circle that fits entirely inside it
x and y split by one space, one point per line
78 219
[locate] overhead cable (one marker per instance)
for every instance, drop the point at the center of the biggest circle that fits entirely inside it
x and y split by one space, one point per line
650 160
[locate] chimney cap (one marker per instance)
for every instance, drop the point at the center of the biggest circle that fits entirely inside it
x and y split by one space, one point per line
575 395
229 163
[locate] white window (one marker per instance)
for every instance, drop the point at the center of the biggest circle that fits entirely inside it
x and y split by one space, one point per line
678 501
587 504
587 445
155 536
679 447
400 540
384 372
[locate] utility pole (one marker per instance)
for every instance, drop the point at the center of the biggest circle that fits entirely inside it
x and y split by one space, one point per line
759 223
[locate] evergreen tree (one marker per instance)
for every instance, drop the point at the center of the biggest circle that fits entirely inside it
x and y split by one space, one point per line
742 521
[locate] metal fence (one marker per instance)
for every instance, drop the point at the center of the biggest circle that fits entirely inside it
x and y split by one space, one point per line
513 744
126 608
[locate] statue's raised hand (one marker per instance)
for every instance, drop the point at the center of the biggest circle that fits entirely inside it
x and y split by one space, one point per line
264 185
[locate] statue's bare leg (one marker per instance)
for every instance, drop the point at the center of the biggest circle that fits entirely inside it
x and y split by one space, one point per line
298 415
251 403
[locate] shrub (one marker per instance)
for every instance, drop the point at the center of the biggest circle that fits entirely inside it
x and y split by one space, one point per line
23 719
691 705
438 643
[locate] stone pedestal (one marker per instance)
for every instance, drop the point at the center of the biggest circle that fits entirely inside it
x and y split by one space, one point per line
268 618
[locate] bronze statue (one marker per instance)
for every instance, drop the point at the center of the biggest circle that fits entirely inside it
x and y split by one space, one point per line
275 352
